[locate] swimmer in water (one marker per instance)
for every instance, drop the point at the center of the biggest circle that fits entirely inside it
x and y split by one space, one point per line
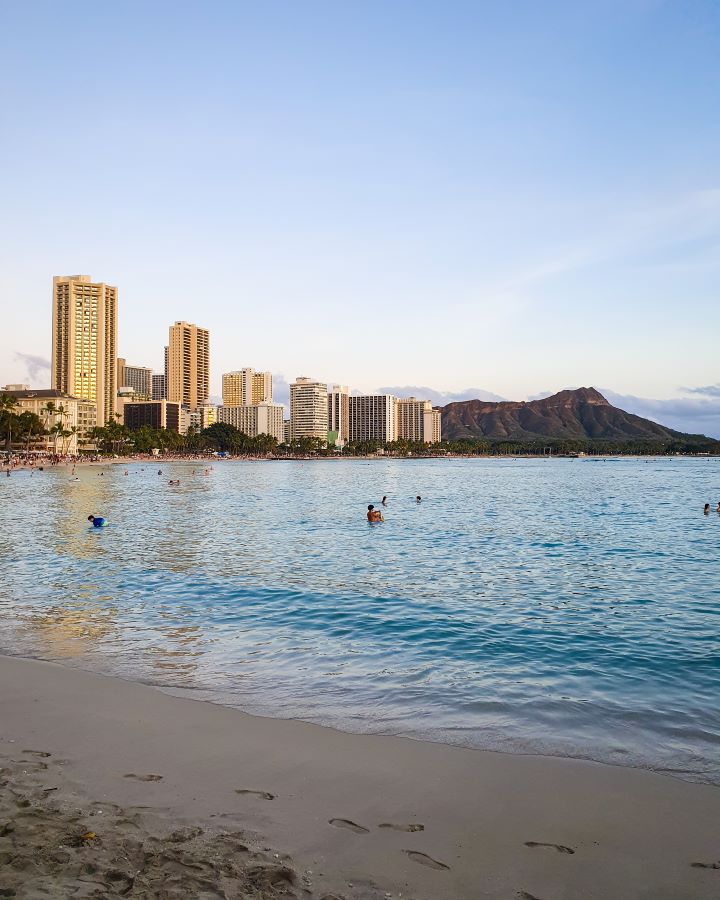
706 510
97 521
374 515
418 499
718 508
384 501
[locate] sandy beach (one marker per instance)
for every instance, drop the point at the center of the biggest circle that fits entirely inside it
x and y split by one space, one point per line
113 788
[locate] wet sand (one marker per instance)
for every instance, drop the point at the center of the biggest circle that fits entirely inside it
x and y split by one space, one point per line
117 789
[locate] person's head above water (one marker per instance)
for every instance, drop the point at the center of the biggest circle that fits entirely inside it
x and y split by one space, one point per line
371 507
418 498
707 507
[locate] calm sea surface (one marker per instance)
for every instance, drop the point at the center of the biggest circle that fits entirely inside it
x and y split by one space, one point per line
568 607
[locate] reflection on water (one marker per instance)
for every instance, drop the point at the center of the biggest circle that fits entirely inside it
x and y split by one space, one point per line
566 607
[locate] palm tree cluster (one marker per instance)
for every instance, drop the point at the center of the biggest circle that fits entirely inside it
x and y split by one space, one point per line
26 428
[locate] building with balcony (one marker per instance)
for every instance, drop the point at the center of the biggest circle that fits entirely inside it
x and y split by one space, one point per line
84 342
308 409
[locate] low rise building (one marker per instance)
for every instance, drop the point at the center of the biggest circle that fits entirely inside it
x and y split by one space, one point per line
259 418
203 417
155 414
75 415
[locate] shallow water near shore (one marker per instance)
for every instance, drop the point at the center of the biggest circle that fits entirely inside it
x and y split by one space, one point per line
567 607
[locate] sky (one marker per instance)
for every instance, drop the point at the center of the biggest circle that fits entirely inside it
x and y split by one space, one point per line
475 198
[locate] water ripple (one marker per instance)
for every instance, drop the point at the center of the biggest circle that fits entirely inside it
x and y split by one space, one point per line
558 607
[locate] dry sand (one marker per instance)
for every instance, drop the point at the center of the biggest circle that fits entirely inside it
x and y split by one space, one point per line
116 789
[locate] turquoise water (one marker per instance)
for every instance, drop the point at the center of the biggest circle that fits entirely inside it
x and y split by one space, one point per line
569 607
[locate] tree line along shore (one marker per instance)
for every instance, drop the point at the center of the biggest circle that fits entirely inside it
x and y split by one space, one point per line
24 431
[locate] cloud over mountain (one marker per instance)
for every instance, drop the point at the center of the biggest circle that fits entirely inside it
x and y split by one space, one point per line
440 398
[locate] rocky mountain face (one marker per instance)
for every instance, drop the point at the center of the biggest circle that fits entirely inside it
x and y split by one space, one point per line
580 415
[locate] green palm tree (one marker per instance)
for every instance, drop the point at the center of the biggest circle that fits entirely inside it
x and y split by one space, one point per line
67 435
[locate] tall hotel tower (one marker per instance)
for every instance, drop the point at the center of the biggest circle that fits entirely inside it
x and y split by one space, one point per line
84 336
308 409
188 365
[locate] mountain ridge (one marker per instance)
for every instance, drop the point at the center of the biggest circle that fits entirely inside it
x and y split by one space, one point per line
580 414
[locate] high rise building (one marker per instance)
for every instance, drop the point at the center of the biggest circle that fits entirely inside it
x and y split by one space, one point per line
84 342
188 376
159 389
338 414
246 386
418 421
139 378
372 417
308 409
120 372
262 387
255 419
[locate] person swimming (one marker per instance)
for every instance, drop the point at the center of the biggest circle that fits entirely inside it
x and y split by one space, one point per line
384 501
418 499
374 515
97 521
718 508
706 509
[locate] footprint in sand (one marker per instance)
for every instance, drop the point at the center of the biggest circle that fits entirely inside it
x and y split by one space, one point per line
561 848
37 753
351 826
425 860
263 795
143 777
414 826
702 865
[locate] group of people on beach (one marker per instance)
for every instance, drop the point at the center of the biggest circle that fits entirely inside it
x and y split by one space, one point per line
375 515
706 510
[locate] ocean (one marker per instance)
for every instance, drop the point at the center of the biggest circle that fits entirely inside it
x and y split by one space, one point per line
568 607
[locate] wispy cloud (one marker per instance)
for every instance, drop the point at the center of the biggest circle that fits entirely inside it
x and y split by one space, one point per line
679 223
37 367
711 390
439 398
691 415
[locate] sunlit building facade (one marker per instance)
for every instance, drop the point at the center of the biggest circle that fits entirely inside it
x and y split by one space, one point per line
188 365
84 342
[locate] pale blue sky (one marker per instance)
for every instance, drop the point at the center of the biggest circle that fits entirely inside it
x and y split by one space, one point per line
517 197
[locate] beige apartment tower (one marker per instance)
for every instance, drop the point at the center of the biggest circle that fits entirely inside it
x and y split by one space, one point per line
246 387
418 421
308 409
188 365
84 342
372 418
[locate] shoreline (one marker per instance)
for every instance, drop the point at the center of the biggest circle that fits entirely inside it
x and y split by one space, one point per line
494 825
205 460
